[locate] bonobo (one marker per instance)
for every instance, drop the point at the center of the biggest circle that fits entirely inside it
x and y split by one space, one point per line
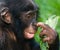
18 26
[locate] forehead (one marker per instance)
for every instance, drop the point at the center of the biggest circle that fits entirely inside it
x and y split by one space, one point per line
18 1
20 5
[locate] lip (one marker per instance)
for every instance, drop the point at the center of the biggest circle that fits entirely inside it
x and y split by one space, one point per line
31 32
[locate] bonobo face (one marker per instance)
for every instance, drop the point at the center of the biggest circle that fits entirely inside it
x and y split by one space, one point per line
24 13
28 17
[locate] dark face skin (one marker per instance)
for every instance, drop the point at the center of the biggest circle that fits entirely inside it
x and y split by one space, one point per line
29 18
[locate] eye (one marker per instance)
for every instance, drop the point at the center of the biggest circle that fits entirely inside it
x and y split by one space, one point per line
30 15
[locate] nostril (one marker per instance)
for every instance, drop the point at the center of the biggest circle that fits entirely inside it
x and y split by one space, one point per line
34 25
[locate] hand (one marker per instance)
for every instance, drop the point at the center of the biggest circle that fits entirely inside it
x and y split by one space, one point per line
48 32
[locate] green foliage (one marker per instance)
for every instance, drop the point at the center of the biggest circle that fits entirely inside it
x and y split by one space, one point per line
49 13
52 21
43 46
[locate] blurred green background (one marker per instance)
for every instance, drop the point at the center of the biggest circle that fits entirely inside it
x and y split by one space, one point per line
49 13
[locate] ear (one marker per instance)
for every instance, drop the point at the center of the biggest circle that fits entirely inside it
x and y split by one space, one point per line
6 17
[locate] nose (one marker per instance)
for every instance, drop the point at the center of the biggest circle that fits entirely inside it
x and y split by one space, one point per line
34 25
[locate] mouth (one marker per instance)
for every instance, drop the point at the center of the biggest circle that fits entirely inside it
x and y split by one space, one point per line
31 32
29 35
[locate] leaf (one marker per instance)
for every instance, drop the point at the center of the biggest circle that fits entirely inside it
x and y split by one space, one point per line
43 46
52 21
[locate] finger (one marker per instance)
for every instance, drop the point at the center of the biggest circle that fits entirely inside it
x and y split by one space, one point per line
45 26
47 39
43 33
